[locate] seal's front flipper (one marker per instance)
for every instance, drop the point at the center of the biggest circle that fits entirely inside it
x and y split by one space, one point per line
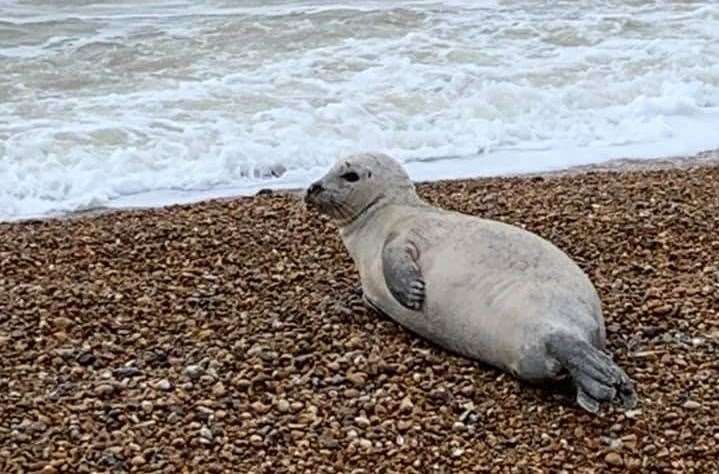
402 274
595 374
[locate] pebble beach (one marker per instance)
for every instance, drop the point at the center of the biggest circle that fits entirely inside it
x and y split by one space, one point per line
229 336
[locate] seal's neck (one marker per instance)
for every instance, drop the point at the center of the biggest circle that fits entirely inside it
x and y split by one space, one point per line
374 208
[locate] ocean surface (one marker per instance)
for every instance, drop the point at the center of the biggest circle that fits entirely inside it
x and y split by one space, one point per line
133 103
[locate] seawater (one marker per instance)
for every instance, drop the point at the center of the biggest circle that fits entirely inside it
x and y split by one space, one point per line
109 103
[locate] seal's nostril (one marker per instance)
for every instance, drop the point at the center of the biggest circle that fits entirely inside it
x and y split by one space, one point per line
315 188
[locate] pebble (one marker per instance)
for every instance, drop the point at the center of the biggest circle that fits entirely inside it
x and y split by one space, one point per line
406 405
63 323
206 433
193 371
357 378
219 389
146 406
138 460
105 389
261 408
86 358
283 406
614 459
365 443
362 421
459 427
123 372
691 405
163 385
404 425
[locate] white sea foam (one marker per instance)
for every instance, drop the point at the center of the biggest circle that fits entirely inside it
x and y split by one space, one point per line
116 104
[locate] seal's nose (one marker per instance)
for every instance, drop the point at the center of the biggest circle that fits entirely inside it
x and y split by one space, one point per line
314 189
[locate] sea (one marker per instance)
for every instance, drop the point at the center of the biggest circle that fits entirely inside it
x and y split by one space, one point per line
146 103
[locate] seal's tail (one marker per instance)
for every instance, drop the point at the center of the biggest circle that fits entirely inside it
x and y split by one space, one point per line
595 374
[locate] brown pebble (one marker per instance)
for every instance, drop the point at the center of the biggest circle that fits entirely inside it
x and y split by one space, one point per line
404 425
283 406
219 389
406 405
105 389
365 443
164 385
362 421
614 459
261 408
357 378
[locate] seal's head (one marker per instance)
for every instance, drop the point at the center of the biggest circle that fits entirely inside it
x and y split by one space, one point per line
358 183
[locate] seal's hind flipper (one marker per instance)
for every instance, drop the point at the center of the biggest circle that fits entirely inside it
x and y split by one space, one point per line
401 271
595 374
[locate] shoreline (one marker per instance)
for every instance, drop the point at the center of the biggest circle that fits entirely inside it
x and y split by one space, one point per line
619 165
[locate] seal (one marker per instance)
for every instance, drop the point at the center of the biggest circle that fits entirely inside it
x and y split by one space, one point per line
480 288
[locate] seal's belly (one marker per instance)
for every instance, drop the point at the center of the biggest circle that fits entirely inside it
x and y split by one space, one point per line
459 316
490 294
493 300
492 320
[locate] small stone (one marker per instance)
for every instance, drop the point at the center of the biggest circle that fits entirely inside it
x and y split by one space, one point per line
259 407
691 405
614 459
164 385
406 405
362 421
219 390
104 390
328 442
48 469
124 372
206 433
193 371
404 425
138 460
256 439
351 393
86 358
459 427
365 443
283 405
357 378
146 406
62 323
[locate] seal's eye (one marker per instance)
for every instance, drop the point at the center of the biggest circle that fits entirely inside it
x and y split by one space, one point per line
350 176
